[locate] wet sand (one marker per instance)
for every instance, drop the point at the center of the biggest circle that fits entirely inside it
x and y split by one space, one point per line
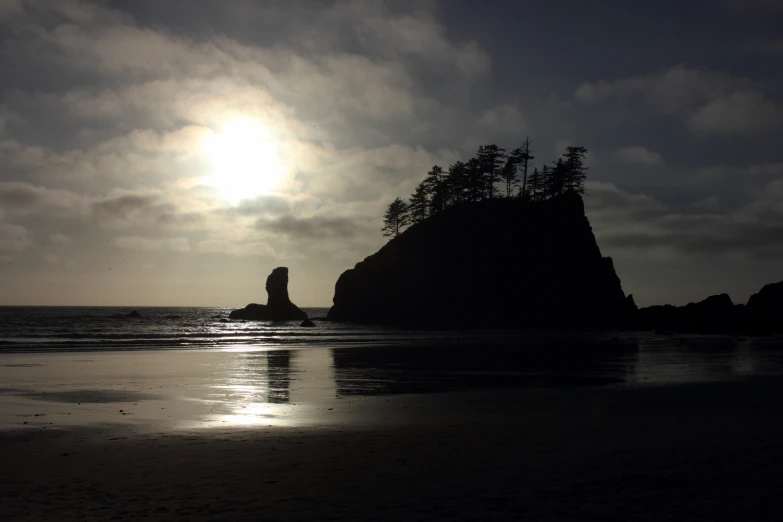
315 445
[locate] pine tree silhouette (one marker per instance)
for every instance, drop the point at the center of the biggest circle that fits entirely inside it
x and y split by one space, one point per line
396 218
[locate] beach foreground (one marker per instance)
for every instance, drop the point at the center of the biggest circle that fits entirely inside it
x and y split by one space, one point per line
707 450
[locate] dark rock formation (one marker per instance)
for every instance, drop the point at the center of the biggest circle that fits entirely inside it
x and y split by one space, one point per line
718 315
134 313
307 323
767 304
492 263
278 308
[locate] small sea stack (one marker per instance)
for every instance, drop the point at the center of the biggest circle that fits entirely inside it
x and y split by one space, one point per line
278 307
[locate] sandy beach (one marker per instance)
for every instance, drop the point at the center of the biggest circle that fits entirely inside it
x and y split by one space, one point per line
178 451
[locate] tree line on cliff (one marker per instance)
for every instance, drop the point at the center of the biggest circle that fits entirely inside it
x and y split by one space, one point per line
490 174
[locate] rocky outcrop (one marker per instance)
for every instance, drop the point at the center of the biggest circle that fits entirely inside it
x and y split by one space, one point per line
718 315
492 263
767 303
278 308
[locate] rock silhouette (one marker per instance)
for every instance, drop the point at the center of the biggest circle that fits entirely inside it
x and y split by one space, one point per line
307 323
497 262
718 315
134 313
767 303
717 310
279 306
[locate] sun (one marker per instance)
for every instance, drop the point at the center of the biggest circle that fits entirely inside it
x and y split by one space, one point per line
245 163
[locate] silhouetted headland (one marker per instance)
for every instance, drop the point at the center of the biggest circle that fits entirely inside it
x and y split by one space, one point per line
475 265
278 307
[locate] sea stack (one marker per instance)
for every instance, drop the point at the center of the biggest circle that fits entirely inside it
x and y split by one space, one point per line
278 307
493 263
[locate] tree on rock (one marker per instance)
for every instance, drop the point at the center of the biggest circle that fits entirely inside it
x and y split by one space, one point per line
492 159
474 181
457 182
524 157
435 186
419 206
575 171
396 218
509 172
556 179
535 186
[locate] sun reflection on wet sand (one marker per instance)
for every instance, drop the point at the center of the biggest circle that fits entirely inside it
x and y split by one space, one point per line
171 391
271 388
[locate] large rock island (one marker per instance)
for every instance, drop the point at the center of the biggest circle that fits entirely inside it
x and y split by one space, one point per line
278 307
497 262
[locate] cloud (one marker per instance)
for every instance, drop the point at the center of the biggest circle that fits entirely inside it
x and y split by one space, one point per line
13 238
177 244
709 101
24 199
639 155
772 47
10 9
744 111
234 248
674 88
638 223
505 118
769 170
59 239
316 227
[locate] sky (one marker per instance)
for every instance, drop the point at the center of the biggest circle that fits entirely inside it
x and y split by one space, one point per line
174 153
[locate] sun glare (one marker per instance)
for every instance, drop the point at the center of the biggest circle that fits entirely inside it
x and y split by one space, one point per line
244 160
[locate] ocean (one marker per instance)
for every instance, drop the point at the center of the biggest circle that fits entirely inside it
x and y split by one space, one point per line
61 329
524 357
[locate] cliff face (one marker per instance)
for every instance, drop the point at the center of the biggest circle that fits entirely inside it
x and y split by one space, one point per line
492 263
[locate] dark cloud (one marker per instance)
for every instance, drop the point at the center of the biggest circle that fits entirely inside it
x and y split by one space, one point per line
25 199
639 223
310 227
122 206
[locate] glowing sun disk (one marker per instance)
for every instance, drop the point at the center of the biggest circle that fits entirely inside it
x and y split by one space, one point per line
244 160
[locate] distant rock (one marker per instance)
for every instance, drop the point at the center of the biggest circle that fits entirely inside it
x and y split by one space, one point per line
279 306
718 315
768 302
307 323
499 262
134 313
